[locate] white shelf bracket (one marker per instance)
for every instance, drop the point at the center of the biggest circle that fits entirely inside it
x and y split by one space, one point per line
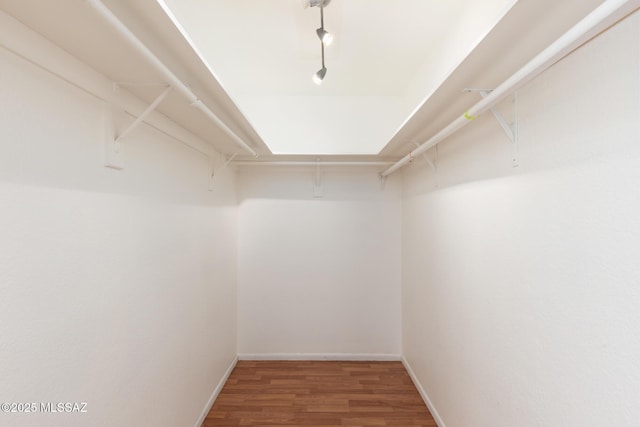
507 127
114 152
510 129
213 174
230 159
427 159
144 114
317 186
223 167
383 181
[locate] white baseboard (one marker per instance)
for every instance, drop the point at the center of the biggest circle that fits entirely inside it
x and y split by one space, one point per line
322 356
423 393
216 392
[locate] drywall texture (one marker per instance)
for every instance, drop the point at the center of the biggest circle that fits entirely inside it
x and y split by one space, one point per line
117 287
318 275
521 286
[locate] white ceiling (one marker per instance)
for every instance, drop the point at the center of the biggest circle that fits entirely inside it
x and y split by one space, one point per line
386 58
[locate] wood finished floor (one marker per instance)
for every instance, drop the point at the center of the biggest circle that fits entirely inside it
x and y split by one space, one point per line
284 393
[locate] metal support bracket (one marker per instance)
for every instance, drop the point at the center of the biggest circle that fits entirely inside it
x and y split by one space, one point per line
144 114
510 129
113 151
317 185
432 164
222 168
230 159
427 159
213 174
383 181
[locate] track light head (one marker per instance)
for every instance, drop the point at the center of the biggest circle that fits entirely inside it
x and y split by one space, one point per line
319 76
315 3
325 36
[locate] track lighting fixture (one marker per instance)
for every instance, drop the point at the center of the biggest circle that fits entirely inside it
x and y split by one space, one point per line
325 39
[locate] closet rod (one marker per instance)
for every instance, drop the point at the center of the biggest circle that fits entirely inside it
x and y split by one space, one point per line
171 78
310 163
604 16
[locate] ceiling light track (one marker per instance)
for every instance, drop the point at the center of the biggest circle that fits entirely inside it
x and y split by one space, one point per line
326 38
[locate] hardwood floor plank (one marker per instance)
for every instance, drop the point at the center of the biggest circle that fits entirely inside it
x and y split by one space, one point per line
319 393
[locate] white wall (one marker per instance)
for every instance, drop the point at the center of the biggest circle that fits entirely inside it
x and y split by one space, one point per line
325 124
117 287
521 286
318 275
